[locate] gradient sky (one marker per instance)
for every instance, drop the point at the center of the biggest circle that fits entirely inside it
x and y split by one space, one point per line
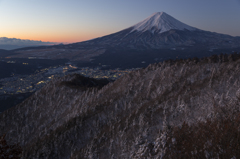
78 20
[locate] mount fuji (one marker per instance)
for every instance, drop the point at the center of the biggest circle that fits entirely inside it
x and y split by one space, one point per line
156 38
160 22
161 30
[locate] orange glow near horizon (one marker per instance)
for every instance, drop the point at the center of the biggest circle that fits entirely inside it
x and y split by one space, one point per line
50 38
54 37
60 34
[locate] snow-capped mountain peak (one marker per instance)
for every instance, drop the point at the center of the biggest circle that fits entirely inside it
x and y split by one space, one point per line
161 22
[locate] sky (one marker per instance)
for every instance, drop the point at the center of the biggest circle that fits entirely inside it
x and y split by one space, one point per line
69 21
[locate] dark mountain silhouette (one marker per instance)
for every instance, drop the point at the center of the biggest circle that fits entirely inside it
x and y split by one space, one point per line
8 100
174 108
5 53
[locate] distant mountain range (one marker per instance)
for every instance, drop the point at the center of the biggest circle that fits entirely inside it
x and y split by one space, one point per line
157 38
14 43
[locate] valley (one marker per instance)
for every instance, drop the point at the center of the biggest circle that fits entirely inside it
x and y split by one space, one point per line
22 77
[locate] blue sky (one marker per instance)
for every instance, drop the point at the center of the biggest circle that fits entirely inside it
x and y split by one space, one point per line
79 20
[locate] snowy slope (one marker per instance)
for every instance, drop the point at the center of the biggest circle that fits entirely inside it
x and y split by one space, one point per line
161 22
69 118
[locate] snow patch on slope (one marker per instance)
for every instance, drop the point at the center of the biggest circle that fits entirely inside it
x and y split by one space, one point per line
161 22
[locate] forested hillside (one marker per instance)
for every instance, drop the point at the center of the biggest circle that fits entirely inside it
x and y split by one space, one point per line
174 109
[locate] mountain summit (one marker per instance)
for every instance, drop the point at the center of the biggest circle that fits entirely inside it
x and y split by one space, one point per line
161 22
162 31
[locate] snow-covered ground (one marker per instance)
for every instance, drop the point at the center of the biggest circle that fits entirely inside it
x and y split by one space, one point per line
161 22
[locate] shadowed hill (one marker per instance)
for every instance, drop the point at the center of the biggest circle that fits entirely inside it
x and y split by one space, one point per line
130 117
84 83
5 53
